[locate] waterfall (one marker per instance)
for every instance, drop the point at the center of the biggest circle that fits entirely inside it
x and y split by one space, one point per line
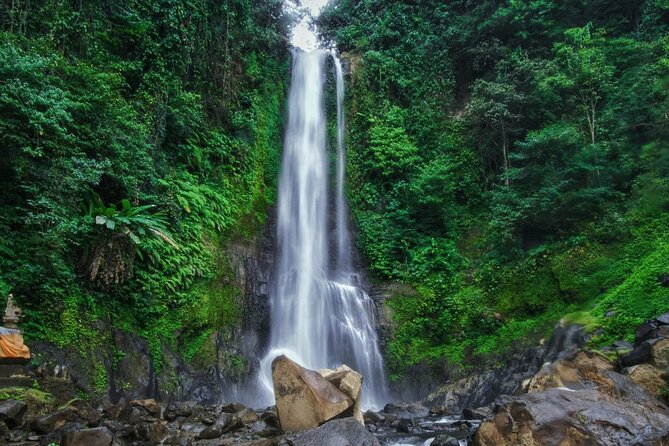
319 318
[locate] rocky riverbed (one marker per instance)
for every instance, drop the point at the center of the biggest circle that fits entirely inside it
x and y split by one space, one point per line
615 396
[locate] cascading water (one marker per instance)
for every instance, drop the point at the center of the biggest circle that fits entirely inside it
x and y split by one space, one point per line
319 317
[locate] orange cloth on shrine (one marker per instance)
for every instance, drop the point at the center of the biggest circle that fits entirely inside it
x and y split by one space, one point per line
12 346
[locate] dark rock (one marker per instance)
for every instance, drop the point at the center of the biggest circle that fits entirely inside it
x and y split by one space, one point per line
343 432
4 432
373 417
210 433
170 412
98 436
247 416
480 413
664 319
186 409
227 422
232 407
445 440
482 388
585 417
270 418
114 412
132 415
16 435
406 425
640 354
372 427
84 412
49 423
411 410
623 345
114 426
154 433
646 331
12 411
152 408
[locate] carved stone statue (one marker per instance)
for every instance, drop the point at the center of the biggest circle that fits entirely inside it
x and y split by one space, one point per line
12 314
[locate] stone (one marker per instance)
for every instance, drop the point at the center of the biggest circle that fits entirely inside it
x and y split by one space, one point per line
640 354
132 414
227 422
645 331
271 418
342 432
85 413
659 353
564 417
348 381
97 436
186 409
247 416
150 405
623 345
114 411
445 440
11 412
648 377
406 425
663 319
373 417
304 399
49 423
170 412
210 433
411 410
232 407
480 413
153 433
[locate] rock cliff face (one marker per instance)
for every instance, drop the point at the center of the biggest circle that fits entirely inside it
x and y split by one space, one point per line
480 389
121 366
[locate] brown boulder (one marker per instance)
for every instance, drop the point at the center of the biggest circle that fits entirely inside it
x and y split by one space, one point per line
649 378
348 381
304 399
659 353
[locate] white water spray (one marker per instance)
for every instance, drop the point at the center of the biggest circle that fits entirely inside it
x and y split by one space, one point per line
319 317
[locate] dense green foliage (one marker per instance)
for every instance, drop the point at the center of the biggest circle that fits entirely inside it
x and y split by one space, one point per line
510 161
137 138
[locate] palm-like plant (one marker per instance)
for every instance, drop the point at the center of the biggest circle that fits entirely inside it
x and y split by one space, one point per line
111 257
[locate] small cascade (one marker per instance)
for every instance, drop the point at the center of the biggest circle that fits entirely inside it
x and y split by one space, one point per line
319 318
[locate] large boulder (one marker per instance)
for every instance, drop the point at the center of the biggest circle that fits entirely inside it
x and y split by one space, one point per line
344 432
348 381
564 417
304 399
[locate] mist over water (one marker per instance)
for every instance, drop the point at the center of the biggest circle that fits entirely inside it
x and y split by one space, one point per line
319 318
